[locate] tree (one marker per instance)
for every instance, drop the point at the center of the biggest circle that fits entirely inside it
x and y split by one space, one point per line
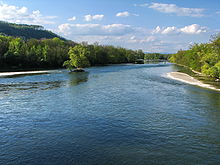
78 59
20 53
204 58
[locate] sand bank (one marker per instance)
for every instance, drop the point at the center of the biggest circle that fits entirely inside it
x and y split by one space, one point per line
189 80
6 74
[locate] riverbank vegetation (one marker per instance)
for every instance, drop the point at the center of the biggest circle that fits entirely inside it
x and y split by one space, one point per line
204 58
156 57
17 53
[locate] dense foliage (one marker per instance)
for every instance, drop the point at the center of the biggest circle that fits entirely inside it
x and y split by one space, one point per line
104 54
203 58
26 31
84 55
17 53
78 57
156 56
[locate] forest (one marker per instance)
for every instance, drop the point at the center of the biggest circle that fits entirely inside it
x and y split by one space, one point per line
17 53
204 57
156 56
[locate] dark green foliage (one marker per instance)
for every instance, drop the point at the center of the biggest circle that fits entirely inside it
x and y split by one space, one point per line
204 58
85 55
26 31
16 53
156 56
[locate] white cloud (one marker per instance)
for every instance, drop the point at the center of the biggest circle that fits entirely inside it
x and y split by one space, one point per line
190 29
94 29
217 12
123 14
170 30
156 30
17 14
193 29
72 18
141 5
135 15
161 39
174 9
147 39
93 17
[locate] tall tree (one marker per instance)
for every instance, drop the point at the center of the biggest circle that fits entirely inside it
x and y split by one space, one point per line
78 58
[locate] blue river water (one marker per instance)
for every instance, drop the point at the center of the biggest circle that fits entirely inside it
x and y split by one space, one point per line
112 115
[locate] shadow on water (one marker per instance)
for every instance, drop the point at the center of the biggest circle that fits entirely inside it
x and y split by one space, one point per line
73 79
78 78
212 98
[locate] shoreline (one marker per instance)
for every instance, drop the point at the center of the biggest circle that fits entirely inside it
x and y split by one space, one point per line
183 77
190 69
18 73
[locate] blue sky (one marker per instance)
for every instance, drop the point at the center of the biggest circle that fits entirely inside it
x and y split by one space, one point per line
150 25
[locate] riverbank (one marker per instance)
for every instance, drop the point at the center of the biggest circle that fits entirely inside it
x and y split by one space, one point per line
189 80
8 74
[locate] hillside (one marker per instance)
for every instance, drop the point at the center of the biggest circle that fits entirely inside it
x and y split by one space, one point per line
26 31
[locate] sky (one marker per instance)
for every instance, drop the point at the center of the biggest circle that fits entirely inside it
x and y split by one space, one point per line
163 26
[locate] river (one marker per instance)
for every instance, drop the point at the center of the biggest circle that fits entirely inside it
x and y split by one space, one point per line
112 115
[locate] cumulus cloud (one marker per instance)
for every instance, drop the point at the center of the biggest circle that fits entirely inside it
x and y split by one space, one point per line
193 29
170 30
72 18
190 29
174 9
160 39
89 17
17 14
94 29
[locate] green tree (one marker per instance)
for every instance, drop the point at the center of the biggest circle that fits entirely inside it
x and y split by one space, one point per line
78 59
201 57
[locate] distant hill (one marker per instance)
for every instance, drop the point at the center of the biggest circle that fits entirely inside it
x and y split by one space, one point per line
26 31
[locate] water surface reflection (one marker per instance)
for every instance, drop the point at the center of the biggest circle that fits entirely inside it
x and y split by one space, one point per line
78 78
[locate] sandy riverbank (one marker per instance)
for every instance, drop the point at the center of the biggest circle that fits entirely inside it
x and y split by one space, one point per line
5 74
189 80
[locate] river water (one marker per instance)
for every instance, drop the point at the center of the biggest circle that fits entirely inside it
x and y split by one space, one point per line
112 115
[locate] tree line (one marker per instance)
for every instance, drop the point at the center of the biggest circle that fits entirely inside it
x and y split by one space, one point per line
156 56
204 58
17 53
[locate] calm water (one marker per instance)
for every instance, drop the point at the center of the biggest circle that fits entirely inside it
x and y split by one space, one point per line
113 115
